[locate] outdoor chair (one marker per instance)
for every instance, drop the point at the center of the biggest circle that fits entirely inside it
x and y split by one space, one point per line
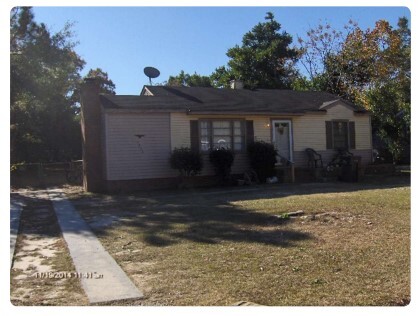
313 158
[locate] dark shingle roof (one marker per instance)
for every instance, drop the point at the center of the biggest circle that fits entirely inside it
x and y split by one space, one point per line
212 100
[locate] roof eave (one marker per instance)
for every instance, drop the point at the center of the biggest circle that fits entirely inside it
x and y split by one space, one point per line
145 91
139 110
196 113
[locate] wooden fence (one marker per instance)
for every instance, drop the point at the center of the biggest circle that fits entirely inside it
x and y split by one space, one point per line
46 174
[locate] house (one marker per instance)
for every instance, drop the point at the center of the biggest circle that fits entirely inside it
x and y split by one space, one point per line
127 139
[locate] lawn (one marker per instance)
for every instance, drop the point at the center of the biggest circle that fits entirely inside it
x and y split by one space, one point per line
217 246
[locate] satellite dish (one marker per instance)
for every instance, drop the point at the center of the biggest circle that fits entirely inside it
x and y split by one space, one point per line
151 72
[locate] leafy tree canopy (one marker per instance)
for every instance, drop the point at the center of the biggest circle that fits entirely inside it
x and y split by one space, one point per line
187 80
44 72
221 77
106 85
369 67
265 59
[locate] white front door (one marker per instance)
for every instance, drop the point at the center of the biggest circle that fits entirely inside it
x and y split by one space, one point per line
282 138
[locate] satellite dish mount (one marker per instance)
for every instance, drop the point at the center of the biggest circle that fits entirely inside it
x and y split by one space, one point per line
151 72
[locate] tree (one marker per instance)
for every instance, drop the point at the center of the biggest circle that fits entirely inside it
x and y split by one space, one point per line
264 60
221 77
44 71
390 105
374 69
186 80
106 85
389 97
368 67
316 57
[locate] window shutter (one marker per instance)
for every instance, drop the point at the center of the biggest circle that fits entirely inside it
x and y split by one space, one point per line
329 135
194 130
250 135
352 135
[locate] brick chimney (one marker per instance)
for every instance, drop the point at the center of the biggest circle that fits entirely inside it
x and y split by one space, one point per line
91 136
236 84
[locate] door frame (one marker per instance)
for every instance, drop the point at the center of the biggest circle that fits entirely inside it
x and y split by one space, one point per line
291 143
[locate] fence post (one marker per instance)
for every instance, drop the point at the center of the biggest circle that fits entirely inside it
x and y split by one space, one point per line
292 173
40 174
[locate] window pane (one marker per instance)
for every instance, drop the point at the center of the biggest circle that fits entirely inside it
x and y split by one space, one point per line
205 145
238 127
238 142
340 135
221 124
203 124
238 146
221 142
221 131
340 142
222 139
204 130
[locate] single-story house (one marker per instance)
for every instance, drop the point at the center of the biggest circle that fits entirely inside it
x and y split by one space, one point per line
128 139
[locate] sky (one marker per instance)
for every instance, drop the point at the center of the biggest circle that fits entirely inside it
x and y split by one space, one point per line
124 40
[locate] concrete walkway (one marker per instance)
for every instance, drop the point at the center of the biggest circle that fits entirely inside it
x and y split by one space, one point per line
15 212
101 277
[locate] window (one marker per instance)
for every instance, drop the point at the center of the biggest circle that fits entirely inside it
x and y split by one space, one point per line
216 134
340 134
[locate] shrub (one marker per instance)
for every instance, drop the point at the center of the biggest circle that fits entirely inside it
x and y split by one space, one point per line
222 160
188 162
262 158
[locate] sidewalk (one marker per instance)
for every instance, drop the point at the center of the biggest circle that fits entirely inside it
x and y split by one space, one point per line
101 277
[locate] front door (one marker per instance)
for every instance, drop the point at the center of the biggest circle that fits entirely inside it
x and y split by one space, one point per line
282 139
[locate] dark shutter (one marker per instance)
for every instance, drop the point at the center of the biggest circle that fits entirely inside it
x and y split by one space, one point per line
194 136
250 135
352 135
329 135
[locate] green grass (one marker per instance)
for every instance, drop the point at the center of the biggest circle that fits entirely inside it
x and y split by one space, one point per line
198 248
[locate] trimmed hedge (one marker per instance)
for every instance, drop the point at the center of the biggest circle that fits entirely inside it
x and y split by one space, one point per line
186 161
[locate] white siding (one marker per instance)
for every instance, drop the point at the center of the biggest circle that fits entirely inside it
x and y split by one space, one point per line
261 128
124 157
310 129
180 130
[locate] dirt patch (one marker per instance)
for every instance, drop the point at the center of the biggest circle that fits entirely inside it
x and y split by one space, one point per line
41 270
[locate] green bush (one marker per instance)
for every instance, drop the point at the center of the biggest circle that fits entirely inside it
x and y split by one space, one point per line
186 161
262 158
222 160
